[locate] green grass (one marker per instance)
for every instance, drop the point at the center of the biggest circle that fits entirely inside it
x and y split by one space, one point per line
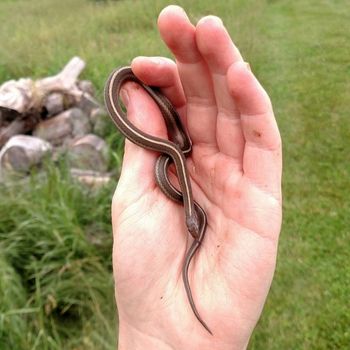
56 281
56 288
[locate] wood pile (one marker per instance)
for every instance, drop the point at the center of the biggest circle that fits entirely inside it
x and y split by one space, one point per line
49 117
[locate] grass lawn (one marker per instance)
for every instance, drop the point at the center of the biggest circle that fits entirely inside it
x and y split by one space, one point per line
56 288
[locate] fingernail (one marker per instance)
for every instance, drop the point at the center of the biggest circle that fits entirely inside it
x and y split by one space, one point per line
156 60
214 19
174 9
248 66
124 96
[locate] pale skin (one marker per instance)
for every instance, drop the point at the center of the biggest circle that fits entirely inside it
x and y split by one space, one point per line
235 169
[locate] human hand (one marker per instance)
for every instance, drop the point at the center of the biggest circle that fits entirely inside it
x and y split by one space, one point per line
235 170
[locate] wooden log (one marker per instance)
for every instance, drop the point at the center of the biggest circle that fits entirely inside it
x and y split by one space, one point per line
91 178
54 103
87 103
26 94
64 127
15 128
20 125
55 130
86 86
81 124
22 152
7 115
89 152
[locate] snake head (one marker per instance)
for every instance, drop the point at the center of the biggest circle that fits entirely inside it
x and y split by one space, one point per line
192 224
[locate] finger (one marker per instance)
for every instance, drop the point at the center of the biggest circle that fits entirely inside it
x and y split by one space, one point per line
138 163
179 35
219 52
262 159
162 72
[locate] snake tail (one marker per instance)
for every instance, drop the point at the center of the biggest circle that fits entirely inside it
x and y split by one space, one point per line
195 245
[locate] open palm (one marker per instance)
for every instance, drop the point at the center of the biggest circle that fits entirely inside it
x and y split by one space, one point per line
235 170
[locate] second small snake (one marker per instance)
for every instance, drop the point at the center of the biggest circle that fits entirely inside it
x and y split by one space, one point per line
173 150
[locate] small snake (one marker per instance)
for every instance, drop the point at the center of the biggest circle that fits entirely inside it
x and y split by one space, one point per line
174 150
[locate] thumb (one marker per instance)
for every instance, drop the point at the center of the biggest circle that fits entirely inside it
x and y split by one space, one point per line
137 173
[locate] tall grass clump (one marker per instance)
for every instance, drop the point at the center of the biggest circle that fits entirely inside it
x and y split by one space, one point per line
56 261
12 312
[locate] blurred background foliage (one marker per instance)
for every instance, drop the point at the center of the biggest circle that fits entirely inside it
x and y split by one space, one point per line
56 287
